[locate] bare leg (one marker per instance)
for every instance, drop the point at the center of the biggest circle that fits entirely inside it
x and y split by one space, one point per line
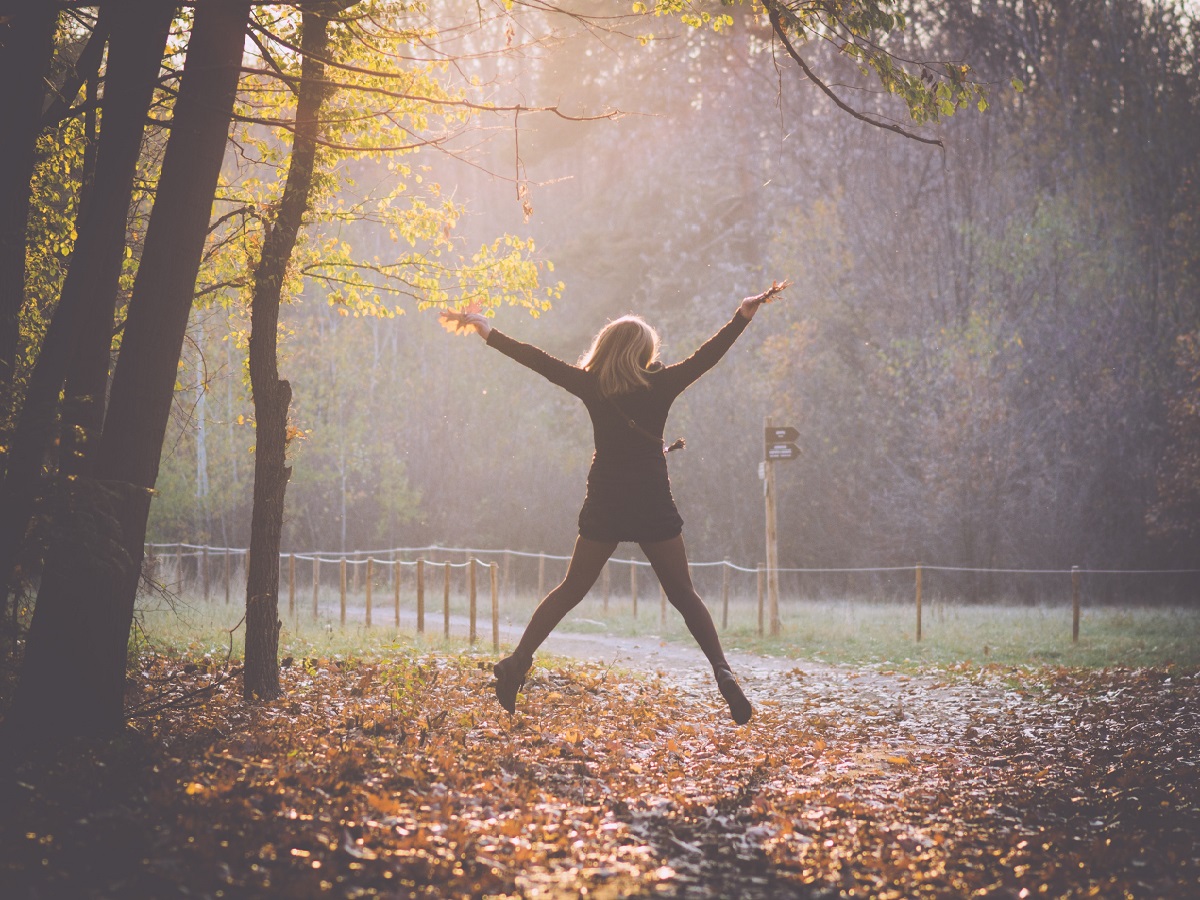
669 559
587 561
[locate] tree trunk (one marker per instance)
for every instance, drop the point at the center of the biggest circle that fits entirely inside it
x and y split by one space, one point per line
87 375
271 395
73 680
89 291
26 47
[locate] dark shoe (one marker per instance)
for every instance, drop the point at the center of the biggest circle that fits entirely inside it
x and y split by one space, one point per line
739 706
510 678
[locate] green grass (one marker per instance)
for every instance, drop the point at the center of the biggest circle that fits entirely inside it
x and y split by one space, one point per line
853 631
197 628
862 632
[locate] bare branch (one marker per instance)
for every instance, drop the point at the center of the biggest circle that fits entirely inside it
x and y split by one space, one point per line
459 102
85 66
777 27
270 60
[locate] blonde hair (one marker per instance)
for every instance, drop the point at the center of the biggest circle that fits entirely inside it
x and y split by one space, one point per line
621 354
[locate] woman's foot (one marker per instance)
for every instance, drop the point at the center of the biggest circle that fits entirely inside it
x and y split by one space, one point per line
510 678
739 706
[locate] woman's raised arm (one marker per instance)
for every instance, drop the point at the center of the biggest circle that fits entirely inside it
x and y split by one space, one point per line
710 352
553 369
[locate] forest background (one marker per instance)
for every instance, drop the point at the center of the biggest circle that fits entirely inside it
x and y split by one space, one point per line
991 352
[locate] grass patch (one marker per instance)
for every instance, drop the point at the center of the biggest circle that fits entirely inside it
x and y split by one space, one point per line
853 631
862 632
214 630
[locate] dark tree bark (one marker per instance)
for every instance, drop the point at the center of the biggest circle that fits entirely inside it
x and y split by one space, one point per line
87 375
73 679
26 48
90 289
272 396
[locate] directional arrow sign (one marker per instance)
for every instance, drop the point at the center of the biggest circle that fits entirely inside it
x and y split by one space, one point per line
783 435
782 450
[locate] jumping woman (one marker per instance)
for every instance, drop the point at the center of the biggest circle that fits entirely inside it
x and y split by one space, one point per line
627 392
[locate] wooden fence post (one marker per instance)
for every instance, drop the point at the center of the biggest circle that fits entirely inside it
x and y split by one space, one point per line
761 573
495 572
342 574
633 585
725 595
771 509
1074 604
396 587
179 566
316 586
420 595
918 603
446 600
541 576
471 567
226 576
204 571
370 578
291 582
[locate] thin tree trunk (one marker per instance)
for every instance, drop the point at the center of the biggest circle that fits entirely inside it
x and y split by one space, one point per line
26 48
73 679
87 375
89 291
271 394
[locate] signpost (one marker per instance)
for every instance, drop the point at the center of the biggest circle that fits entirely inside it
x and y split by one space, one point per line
781 442
782 451
778 443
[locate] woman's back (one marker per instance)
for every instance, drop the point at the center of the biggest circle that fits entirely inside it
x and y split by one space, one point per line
617 442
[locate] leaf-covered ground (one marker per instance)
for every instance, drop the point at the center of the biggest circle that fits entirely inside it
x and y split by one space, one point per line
404 778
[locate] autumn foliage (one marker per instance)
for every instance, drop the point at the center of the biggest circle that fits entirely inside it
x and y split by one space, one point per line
403 777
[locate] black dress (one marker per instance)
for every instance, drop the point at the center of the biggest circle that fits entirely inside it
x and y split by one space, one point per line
628 488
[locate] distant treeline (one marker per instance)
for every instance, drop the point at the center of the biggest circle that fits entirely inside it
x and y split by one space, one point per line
991 352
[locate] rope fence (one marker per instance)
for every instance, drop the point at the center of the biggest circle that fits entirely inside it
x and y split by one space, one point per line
508 572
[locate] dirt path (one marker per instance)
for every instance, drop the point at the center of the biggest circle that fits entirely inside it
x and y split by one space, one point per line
1010 783
924 709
